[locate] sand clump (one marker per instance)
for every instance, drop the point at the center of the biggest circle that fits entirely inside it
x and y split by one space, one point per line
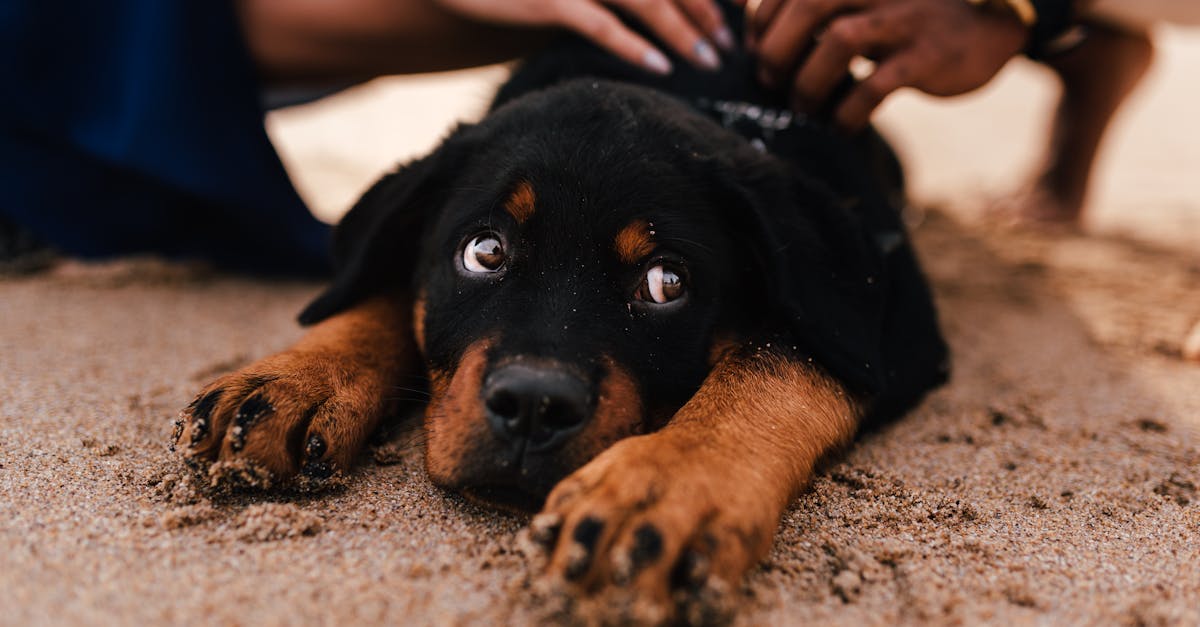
235 475
265 522
198 495
187 516
176 485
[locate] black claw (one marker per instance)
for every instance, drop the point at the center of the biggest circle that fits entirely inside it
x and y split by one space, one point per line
696 567
585 535
199 431
691 572
317 470
201 409
587 532
250 411
176 433
314 449
647 546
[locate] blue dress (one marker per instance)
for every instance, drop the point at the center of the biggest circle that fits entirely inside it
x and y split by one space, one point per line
135 126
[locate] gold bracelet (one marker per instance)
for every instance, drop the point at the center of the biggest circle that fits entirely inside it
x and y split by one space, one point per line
1022 9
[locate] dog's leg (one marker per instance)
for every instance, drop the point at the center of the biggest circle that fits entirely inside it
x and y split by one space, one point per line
702 497
311 408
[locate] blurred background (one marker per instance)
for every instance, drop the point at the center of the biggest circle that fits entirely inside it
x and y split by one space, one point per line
961 154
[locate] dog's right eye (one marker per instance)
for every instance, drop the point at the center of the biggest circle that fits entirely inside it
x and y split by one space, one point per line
660 285
483 254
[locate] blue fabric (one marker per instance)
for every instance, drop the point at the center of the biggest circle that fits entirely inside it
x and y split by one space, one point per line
130 126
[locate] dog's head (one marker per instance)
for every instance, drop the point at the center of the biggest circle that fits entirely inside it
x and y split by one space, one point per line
577 261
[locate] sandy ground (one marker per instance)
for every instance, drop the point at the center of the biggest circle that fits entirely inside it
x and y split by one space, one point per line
1054 481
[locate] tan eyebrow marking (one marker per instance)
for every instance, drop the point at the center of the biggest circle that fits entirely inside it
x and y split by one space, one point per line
634 242
520 203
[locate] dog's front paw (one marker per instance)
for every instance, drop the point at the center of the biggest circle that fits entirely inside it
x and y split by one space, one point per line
299 413
656 523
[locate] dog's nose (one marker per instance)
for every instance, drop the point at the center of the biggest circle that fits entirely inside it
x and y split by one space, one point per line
540 405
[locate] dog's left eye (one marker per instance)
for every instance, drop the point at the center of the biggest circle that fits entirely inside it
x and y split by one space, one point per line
660 286
484 253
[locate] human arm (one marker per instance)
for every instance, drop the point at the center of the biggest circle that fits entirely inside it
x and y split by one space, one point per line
941 47
315 41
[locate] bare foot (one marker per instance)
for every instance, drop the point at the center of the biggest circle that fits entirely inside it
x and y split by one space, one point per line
1036 208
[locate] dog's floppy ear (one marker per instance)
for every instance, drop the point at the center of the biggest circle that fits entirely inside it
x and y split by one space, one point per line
377 244
821 275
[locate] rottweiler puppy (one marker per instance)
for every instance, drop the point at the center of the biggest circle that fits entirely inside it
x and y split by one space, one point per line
647 306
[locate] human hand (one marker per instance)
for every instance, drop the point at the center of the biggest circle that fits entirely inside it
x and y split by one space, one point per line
941 47
690 27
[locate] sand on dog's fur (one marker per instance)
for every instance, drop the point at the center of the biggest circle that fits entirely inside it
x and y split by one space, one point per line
1055 479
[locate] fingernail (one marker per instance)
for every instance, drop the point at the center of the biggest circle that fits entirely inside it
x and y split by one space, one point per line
724 38
656 62
706 55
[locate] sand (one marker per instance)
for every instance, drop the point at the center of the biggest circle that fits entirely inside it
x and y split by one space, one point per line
1056 480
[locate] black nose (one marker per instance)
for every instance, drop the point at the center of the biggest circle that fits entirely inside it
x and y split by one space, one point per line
540 405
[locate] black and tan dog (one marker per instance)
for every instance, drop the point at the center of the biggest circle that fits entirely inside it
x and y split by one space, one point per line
647 306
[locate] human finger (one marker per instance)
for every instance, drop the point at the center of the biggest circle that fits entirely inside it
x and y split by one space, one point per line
759 14
601 27
899 71
665 19
792 31
857 34
708 17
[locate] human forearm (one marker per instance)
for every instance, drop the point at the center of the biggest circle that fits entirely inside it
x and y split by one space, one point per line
316 41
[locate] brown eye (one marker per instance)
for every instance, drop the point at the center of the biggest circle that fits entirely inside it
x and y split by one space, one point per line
660 286
483 254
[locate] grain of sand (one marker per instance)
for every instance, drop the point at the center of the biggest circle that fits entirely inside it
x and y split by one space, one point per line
1055 480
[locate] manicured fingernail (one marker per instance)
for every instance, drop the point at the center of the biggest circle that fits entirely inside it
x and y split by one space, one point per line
656 62
706 55
724 38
